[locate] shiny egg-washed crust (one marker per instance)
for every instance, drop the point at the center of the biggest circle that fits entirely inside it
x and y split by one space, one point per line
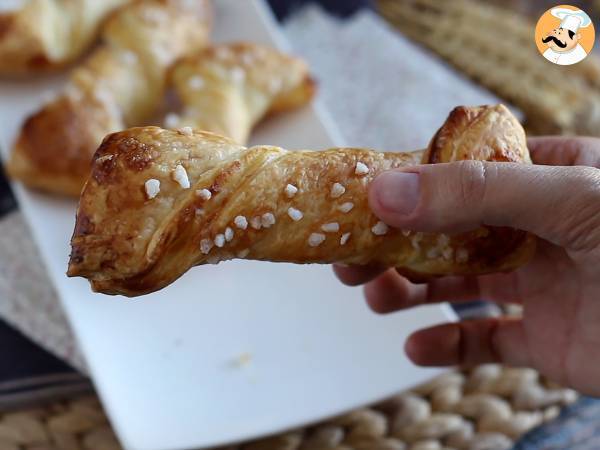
227 89
45 35
127 243
120 85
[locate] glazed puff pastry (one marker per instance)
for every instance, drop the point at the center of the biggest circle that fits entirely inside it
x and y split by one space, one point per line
159 202
228 89
120 85
47 34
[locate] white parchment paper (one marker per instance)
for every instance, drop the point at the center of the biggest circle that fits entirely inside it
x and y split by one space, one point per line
381 90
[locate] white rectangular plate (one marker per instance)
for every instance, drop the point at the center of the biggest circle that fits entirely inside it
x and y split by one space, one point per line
167 366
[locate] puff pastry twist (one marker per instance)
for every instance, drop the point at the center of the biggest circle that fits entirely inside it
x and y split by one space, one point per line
228 89
120 85
47 34
159 202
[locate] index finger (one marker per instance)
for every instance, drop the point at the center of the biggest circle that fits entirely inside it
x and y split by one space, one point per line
356 275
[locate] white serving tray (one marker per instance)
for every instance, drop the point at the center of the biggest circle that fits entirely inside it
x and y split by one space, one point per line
233 351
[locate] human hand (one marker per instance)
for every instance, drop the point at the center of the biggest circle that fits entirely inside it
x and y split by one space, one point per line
558 199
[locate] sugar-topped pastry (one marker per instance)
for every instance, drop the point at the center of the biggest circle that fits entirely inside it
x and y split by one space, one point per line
251 215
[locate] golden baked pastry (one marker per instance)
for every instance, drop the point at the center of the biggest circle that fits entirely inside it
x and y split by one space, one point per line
159 202
228 89
47 34
120 85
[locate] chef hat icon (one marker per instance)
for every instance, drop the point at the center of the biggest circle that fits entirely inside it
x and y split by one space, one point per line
571 20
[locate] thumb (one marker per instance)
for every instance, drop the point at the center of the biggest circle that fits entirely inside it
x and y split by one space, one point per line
559 204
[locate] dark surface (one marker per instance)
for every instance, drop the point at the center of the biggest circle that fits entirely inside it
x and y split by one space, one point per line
7 199
342 8
20 358
30 376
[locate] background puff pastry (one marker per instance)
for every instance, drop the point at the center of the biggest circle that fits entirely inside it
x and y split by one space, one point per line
46 34
228 89
120 85
159 202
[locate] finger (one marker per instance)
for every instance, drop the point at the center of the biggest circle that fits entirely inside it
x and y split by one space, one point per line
565 151
392 292
355 275
471 342
559 204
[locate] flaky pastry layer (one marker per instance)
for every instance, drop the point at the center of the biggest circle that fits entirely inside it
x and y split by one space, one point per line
47 34
228 88
159 202
120 85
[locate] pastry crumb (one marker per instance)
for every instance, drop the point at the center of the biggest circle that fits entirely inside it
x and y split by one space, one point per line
332 227
295 214
241 222
337 190
361 168
379 229
344 238
267 220
186 131
181 177
316 239
206 246
290 190
104 158
220 240
152 187
243 253
204 194
346 207
199 212
256 223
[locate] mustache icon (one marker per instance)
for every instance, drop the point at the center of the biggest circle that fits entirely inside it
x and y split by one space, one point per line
555 40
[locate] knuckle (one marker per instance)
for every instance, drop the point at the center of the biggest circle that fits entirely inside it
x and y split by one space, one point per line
472 180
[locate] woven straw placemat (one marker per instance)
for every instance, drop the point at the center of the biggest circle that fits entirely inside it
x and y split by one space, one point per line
487 408
495 47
